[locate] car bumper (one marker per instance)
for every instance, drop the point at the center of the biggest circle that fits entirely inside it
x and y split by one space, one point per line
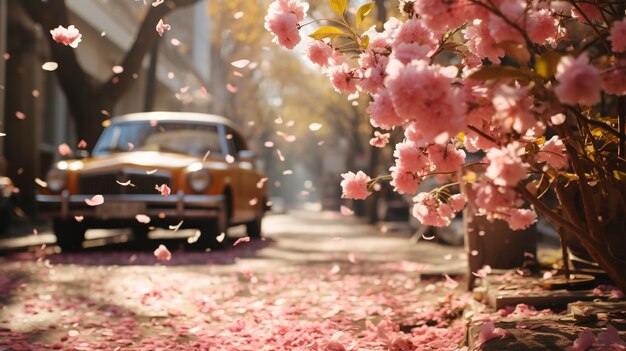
128 206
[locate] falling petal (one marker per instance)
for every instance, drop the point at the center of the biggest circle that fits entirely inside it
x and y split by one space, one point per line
126 183
314 127
157 3
176 227
336 269
175 42
64 150
268 144
261 183
163 189
117 69
351 258
153 171
220 237
238 15
203 91
346 211
245 239
79 218
141 218
237 74
96 200
206 155
35 93
230 159
280 155
240 63
558 119
253 201
192 239
184 89
82 144
427 237
450 283
41 183
50 66
287 172
231 88
20 115
162 253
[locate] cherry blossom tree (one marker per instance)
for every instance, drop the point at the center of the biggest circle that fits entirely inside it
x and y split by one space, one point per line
87 97
537 90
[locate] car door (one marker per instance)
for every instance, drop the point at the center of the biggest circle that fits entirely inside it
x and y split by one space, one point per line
244 181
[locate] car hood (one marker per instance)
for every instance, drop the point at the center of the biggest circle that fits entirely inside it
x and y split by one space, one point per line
147 159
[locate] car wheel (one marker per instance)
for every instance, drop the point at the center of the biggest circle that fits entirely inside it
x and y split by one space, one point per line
70 235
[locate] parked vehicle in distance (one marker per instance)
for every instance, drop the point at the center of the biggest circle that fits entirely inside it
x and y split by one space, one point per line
168 166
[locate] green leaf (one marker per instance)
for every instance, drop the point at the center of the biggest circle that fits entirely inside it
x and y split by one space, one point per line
365 41
326 32
498 72
545 65
363 11
339 6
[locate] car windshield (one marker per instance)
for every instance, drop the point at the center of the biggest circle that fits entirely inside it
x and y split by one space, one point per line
167 136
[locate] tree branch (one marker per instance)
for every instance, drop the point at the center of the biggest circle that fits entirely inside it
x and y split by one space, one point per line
117 84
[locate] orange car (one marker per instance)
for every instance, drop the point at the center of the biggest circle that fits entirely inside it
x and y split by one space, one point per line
168 166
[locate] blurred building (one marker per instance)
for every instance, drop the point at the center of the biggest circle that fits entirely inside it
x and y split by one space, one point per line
108 28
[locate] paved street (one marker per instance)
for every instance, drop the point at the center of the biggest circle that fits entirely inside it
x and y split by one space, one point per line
320 281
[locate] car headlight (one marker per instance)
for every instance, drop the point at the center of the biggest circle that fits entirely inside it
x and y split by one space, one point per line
199 180
56 180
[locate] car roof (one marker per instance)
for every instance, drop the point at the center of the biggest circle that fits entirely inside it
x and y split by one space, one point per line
174 116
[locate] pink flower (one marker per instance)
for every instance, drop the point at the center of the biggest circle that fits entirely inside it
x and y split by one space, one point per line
610 339
381 111
446 158
284 26
380 140
295 7
457 202
579 82
162 253
355 185
319 53
543 27
424 94
373 77
520 219
403 180
513 109
162 27
440 16
410 157
505 167
584 341
70 36
553 152
591 11
414 31
492 198
430 211
480 42
614 79
618 36
342 78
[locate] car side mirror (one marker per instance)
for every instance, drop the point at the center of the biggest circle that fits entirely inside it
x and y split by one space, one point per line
246 156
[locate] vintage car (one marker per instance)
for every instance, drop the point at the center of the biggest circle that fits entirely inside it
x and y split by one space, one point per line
165 166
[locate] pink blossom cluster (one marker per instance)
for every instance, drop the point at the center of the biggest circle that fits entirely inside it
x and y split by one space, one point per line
446 110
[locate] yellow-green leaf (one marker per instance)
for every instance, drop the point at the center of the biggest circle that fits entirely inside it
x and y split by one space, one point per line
339 6
619 175
326 32
363 11
545 65
365 41
498 72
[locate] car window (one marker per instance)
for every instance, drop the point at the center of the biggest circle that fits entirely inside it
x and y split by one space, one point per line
236 142
179 137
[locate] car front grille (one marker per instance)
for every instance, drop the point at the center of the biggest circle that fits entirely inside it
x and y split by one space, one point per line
106 183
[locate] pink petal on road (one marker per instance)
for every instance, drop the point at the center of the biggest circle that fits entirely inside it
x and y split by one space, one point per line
488 331
450 283
142 218
97 200
240 63
245 239
584 341
162 253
